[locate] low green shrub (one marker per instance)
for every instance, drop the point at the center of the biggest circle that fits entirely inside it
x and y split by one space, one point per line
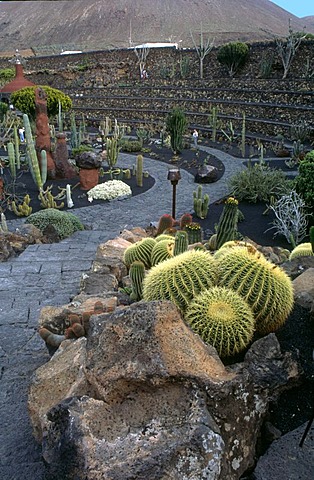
82 148
258 183
65 223
131 146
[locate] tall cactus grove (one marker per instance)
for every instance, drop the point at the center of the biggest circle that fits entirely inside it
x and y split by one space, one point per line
176 124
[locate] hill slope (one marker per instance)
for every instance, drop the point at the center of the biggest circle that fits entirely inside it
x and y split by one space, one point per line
93 24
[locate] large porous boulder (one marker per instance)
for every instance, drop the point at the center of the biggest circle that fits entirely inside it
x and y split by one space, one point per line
206 174
159 402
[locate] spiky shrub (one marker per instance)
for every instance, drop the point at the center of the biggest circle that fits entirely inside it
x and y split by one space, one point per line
266 287
166 221
176 124
139 251
302 250
194 231
227 226
223 319
162 251
181 242
233 55
180 278
137 273
65 223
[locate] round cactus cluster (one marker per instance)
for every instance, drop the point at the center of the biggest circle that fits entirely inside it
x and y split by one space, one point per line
223 319
139 251
301 250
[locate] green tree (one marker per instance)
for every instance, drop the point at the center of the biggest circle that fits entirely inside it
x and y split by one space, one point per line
233 55
6 74
24 100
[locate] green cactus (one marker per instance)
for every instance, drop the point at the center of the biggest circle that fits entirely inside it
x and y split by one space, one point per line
139 170
137 273
127 174
212 242
3 224
223 319
162 251
112 151
200 203
266 287
12 162
47 200
194 231
43 166
302 250
243 135
31 154
237 244
176 124
24 209
140 251
181 278
17 148
166 221
181 242
227 225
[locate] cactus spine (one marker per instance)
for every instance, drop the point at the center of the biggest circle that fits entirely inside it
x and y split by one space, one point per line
266 287
139 170
200 203
223 319
181 242
180 278
137 273
227 226
31 154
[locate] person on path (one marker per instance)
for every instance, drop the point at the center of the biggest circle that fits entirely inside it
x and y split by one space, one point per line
21 134
195 137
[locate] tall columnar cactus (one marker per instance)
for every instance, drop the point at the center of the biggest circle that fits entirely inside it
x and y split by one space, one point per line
243 135
3 223
302 250
266 287
60 117
181 278
181 242
31 153
223 319
139 170
137 273
200 203
43 166
162 251
214 123
176 124
140 251
194 231
12 161
75 143
17 148
112 151
227 226
166 221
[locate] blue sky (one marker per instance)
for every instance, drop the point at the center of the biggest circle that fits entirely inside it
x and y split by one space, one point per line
300 8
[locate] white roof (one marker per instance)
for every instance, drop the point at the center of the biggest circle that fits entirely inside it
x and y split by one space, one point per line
156 45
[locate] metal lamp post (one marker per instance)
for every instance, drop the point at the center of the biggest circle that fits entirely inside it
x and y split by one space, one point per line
174 176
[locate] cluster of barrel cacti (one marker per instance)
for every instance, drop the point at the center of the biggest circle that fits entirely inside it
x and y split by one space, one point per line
225 297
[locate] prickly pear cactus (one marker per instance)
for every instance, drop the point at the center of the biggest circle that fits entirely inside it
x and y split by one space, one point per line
223 319
266 287
141 251
181 278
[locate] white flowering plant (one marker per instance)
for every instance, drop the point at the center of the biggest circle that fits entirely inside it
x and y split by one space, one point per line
109 191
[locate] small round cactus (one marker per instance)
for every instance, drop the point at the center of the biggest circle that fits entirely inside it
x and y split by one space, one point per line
162 251
141 251
180 278
223 319
163 236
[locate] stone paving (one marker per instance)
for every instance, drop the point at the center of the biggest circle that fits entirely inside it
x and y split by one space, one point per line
50 275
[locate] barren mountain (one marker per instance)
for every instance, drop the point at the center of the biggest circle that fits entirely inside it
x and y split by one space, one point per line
49 26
